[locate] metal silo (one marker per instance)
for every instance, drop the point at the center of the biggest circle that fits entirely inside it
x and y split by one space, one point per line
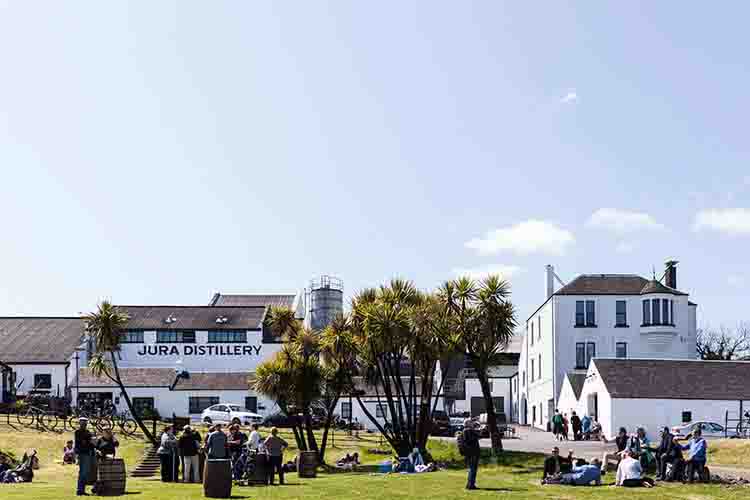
325 300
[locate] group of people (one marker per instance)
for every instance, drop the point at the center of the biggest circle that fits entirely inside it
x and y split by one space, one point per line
634 456
585 428
21 473
87 450
218 445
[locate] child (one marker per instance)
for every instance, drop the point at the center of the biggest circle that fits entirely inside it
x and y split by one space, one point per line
69 454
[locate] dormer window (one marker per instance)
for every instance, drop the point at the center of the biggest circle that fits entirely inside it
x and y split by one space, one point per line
170 319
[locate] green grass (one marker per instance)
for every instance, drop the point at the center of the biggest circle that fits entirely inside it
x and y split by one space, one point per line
515 476
729 452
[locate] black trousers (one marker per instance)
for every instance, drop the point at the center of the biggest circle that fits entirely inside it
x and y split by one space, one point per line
274 464
694 466
637 483
167 466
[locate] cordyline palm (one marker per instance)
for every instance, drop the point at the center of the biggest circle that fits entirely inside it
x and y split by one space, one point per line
483 320
104 327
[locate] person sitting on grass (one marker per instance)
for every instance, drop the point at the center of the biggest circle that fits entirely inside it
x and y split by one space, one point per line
629 472
69 453
696 462
4 465
584 475
621 441
555 465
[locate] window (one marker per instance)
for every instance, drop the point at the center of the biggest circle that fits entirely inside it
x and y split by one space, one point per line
621 350
499 403
42 381
143 405
580 356
646 312
175 336
251 403
580 317
380 411
346 410
621 313
590 316
227 336
523 375
533 414
532 370
655 312
131 337
540 366
590 352
539 327
665 312
532 333
671 312
200 403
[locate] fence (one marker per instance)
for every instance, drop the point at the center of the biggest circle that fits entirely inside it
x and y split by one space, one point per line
737 424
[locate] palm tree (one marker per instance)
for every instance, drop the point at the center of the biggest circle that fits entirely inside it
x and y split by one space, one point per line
104 328
483 319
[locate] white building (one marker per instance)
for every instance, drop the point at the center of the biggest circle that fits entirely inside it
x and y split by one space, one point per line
657 393
599 315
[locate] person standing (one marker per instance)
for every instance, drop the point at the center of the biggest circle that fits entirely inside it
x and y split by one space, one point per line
471 447
575 421
696 462
188 445
254 440
166 454
586 427
216 444
557 425
275 448
84 449
566 427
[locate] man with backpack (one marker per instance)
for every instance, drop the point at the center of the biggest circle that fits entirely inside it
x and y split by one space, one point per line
468 446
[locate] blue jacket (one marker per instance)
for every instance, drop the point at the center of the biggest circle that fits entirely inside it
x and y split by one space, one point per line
583 475
697 449
586 423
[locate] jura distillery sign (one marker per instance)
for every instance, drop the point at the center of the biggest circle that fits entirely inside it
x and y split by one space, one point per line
199 350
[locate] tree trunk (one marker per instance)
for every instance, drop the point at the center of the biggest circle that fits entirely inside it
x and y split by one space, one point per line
497 443
312 444
299 438
128 402
326 426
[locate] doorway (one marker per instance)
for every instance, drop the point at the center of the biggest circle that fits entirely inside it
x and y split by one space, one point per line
593 405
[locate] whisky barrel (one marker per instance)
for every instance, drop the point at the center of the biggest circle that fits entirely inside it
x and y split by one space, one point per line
217 478
308 464
111 477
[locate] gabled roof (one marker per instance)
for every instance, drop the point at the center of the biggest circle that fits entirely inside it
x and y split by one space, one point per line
675 379
193 317
576 381
253 300
613 284
39 340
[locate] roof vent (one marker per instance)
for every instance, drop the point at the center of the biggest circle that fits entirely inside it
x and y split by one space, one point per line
221 320
170 319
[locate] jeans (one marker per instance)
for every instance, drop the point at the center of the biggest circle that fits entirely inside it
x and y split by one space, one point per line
694 466
472 462
85 461
167 467
274 464
190 469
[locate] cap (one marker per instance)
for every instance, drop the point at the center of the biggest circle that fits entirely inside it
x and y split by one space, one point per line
83 420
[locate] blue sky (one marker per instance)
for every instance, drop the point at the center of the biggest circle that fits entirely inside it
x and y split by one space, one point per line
156 153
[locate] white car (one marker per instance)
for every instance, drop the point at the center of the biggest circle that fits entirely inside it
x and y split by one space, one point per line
708 429
229 414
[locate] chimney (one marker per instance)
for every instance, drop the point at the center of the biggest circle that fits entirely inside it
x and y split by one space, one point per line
550 280
670 275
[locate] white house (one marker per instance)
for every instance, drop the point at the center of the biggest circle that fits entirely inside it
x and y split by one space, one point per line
599 315
654 393
570 394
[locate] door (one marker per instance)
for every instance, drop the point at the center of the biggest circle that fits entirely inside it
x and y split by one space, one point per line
550 411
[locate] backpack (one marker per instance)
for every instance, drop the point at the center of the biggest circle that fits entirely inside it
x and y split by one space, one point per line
461 443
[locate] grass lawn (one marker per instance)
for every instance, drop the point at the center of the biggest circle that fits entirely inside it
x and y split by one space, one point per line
517 476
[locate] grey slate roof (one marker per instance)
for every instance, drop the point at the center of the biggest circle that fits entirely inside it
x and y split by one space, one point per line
675 379
576 382
611 284
164 377
253 300
193 317
39 340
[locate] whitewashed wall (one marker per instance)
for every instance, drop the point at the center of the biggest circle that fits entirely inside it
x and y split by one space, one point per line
500 388
595 385
25 377
567 401
542 389
360 416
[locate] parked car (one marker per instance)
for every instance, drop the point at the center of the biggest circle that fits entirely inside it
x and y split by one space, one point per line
484 430
229 414
279 420
441 424
457 424
708 429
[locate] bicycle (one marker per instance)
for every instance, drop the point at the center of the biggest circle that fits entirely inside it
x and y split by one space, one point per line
743 428
32 414
125 422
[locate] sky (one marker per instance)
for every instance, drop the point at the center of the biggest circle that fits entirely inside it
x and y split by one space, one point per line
158 152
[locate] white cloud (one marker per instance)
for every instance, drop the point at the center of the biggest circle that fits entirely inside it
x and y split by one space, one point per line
571 96
625 247
531 236
505 272
734 221
623 221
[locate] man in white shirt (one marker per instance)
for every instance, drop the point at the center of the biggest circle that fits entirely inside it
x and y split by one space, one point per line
254 441
629 472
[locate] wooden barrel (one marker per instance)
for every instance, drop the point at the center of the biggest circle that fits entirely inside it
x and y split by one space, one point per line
308 464
111 477
217 478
